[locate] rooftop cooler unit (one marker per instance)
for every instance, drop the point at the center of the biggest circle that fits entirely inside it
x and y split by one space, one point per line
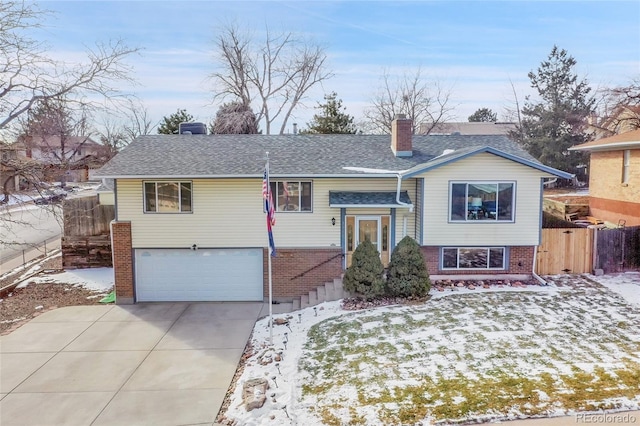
192 129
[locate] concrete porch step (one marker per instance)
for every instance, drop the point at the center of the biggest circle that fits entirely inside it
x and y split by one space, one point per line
304 301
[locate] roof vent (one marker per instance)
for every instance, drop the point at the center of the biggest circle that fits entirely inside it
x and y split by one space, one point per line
448 151
192 129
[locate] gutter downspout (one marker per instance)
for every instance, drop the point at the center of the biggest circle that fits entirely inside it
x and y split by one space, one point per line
533 269
399 176
553 180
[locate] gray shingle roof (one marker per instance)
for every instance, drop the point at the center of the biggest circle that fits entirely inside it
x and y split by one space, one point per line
290 155
359 198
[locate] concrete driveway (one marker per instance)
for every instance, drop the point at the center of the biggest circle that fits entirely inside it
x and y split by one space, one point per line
145 364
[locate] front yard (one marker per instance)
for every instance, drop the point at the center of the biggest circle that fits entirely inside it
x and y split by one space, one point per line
460 357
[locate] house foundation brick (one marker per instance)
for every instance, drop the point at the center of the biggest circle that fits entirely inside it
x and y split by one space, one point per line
122 262
296 271
520 262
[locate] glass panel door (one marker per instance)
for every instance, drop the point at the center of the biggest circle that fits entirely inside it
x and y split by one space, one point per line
372 228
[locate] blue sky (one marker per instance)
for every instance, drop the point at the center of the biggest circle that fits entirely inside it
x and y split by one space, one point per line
472 48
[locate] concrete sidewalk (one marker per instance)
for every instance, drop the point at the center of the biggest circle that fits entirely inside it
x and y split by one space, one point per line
144 364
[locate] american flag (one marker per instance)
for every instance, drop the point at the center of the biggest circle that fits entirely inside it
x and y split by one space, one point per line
268 206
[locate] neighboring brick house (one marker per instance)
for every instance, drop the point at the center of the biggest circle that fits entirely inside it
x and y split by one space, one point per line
614 178
190 224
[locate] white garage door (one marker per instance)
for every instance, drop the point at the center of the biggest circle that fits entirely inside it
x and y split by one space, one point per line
198 276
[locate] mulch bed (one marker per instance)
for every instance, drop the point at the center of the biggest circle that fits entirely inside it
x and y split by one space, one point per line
22 304
356 303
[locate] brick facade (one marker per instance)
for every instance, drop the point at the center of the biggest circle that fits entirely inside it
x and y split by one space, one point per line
520 262
610 198
122 262
296 271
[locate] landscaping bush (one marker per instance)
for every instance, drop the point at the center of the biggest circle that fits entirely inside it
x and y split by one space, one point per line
407 274
364 276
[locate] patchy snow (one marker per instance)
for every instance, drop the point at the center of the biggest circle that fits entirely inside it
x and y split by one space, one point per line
341 367
626 284
97 279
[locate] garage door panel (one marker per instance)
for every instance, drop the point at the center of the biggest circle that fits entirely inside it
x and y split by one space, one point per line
199 275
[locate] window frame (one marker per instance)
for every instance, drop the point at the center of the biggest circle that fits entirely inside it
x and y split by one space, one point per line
497 183
626 165
299 182
505 258
179 183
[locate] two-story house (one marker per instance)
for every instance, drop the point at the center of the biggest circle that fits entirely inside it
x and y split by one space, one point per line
190 224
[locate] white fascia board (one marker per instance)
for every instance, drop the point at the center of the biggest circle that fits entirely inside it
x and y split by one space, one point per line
607 146
271 176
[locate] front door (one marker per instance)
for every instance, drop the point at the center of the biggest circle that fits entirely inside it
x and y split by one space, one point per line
372 228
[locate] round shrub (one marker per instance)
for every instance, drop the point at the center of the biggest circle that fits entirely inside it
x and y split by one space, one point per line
364 276
407 274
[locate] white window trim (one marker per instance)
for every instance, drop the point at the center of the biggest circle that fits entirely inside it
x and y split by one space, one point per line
626 165
156 182
482 182
275 196
458 268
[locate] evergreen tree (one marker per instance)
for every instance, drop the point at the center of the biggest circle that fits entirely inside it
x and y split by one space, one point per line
364 276
170 125
407 274
234 118
483 115
557 121
332 119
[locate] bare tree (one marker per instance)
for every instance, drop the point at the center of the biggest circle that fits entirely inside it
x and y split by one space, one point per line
425 102
234 118
620 108
274 75
121 127
59 134
28 75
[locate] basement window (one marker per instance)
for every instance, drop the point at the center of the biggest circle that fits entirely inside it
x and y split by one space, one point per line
473 258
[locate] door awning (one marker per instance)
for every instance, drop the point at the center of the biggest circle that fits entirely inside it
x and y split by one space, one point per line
376 199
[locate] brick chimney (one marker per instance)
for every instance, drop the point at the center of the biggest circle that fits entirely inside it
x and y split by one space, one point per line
401 134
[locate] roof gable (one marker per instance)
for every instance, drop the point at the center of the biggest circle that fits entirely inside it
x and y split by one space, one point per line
470 151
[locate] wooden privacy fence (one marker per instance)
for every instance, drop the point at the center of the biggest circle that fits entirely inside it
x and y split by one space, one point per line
617 250
565 251
86 242
85 217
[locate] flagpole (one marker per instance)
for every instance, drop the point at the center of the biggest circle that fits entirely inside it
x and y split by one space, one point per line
269 268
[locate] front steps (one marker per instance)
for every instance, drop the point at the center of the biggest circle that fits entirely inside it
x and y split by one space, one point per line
327 292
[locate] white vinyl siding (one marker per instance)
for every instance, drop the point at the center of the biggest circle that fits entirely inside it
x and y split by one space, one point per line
524 230
229 213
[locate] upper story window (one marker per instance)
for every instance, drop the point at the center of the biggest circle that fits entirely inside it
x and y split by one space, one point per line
626 164
482 201
291 196
167 197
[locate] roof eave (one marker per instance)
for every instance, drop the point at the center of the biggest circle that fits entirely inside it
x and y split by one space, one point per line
607 146
250 176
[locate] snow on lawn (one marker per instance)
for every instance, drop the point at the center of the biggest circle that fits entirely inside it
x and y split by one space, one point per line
96 279
626 284
473 356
